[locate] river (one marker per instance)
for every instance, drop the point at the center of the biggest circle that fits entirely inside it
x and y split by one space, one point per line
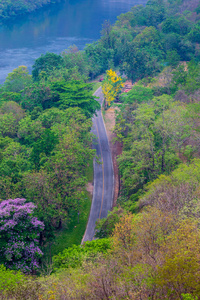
54 29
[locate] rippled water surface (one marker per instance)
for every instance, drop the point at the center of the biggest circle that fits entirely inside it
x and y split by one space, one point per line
55 28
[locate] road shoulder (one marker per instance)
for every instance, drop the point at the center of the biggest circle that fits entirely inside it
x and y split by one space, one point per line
109 117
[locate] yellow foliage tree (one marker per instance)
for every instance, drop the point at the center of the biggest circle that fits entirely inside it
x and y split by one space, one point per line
179 272
123 234
108 92
111 86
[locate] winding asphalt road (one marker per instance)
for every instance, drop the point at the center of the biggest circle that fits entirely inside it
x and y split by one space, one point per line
103 174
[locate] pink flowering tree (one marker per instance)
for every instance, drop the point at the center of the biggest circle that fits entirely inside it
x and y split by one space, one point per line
19 235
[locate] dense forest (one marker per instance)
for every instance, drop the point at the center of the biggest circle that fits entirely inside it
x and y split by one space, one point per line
9 8
148 247
45 147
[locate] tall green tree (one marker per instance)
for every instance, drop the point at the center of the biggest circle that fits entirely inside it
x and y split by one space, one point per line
76 94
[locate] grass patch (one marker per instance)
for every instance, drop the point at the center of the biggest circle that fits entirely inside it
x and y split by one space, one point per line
103 111
96 85
89 171
73 234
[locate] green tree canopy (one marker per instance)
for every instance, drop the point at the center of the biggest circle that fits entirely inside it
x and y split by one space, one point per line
76 94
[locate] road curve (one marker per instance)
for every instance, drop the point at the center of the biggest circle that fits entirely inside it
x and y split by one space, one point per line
103 174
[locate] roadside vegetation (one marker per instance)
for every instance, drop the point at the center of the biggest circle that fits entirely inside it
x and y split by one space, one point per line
46 153
148 247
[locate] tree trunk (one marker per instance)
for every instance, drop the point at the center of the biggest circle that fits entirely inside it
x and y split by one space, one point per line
60 224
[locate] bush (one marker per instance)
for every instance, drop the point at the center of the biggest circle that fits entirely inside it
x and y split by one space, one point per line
137 94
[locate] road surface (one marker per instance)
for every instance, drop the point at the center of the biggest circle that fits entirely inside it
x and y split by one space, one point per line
103 174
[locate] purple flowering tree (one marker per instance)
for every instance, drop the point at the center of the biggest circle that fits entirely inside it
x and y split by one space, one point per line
19 235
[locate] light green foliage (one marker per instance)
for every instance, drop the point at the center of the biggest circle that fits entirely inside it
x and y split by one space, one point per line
179 75
15 160
187 77
149 37
75 256
17 80
137 94
105 226
29 130
155 141
9 96
15 285
10 281
189 297
8 125
194 34
53 116
10 115
188 173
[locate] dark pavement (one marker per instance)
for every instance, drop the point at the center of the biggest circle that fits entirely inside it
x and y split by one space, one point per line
103 175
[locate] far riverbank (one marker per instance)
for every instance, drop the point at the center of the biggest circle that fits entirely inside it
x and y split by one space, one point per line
54 28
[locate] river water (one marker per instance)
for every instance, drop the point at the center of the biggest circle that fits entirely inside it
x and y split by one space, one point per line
55 28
